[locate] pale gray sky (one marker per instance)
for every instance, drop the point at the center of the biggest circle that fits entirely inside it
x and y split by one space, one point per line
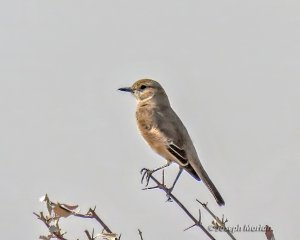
231 69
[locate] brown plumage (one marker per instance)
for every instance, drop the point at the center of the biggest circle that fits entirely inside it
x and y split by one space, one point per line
165 133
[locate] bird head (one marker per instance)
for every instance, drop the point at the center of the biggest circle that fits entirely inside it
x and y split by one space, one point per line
145 89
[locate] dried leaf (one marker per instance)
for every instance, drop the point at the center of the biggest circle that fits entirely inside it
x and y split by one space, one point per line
60 211
69 207
109 236
44 198
56 222
49 208
44 237
54 229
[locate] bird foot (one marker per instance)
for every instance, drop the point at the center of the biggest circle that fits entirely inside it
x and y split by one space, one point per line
146 174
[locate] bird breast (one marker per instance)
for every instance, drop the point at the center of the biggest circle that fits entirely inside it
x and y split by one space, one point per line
148 129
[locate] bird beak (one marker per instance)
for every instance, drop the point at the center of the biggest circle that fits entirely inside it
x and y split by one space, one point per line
126 89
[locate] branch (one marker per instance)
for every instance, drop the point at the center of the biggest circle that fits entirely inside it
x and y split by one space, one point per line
92 214
141 234
56 211
55 234
197 223
88 235
218 221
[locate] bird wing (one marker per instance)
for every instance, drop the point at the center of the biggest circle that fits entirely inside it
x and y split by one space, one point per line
180 145
167 123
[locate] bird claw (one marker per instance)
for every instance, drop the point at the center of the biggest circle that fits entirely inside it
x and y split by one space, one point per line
146 174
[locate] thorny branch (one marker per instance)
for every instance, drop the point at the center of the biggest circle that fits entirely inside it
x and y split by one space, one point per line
56 211
219 223
92 214
53 233
162 186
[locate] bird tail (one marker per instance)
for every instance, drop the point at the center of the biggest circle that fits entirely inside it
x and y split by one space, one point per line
211 187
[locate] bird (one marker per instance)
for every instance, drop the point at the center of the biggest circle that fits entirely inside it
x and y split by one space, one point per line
165 133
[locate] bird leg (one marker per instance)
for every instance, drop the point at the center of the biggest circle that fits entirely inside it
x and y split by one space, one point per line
175 181
146 173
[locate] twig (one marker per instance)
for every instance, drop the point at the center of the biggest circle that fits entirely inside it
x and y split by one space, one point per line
92 214
171 196
88 235
56 211
44 220
141 234
220 222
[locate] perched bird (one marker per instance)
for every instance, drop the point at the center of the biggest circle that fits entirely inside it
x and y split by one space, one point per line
165 133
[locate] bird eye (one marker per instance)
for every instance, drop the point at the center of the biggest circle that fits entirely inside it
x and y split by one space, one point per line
143 87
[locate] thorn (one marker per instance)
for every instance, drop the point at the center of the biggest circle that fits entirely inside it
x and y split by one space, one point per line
169 199
203 204
188 228
149 188
199 221
38 216
168 194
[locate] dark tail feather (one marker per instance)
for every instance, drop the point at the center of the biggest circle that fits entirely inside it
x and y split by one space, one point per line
191 171
201 173
212 188
209 184
217 195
